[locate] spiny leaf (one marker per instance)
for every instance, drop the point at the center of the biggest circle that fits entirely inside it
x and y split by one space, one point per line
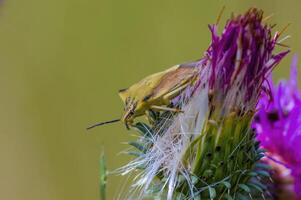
137 145
242 197
252 174
208 173
228 197
212 192
263 166
143 129
102 177
255 187
263 173
135 153
261 150
180 196
141 167
155 188
259 184
194 180
244 187
181 179
227 184
259 156
197 197
257 143
153 115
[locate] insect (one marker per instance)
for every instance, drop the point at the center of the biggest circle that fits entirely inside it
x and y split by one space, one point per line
155 92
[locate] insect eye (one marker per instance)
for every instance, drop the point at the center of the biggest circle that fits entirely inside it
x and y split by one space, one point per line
146 98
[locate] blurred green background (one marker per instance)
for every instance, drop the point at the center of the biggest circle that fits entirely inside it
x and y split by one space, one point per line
62 63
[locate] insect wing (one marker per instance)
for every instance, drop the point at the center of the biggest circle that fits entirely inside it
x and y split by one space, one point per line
174 80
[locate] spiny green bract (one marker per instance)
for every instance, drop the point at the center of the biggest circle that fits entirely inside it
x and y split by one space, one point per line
225 169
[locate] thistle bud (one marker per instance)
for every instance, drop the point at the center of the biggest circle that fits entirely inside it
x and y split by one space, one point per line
209 151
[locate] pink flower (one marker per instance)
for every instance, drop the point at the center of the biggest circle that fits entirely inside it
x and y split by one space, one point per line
278 125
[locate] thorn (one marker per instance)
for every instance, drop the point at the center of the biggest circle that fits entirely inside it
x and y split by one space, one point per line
268 17
282 45
220 15
284 29
271 180
283 39
273 26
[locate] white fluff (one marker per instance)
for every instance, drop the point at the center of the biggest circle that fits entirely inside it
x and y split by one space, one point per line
166 154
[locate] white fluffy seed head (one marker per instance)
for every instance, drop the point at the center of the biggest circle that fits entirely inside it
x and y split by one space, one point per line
166 154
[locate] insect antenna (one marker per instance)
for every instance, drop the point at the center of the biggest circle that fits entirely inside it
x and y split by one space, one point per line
103 123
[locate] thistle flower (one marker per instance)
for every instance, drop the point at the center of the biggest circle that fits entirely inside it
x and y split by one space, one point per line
278 124
209 151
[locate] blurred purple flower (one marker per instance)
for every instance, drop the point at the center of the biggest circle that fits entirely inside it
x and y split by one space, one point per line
278 125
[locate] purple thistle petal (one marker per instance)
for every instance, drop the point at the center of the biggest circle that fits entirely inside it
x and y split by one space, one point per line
240 61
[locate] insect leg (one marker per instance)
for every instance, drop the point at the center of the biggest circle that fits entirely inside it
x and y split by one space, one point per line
175 92
151 116
161 108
